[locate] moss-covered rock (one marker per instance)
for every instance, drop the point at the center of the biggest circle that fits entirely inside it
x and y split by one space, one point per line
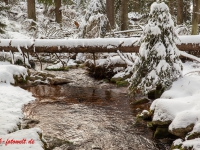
150 125
161 132
145 115
122 83
140 101
58 81
29 123
19 79
54 142
161 123
182 132
193 135
122 78
154 94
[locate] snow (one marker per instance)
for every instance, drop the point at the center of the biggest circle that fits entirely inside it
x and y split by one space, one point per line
12 100
8 71
26 137
152 29
194 143
71 43
180 105
17 56
60 65
98 42
189 39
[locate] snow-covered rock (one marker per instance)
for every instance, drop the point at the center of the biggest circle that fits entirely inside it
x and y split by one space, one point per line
8 71
179 107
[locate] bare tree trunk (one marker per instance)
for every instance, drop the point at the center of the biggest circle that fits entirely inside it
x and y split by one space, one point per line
195 17
6 1
171 7
31 9
110 10
136 5
179 12
58 11
124 15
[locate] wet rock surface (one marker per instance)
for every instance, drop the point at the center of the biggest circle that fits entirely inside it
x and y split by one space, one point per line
89 114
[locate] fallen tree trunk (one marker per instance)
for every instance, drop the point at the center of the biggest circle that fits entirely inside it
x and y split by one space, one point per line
125 45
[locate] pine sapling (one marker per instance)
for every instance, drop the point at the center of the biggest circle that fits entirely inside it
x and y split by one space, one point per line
158 64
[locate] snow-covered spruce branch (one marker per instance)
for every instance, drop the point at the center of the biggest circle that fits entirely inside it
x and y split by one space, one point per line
184 54
126 59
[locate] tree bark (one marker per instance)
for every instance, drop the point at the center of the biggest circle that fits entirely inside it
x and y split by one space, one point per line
195 17
89 47
124 15
110 10
6 1
171 7
58 11
180 12
31 9
136 5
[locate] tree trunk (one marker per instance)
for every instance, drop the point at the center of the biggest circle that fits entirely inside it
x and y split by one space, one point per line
179 12
124 15
171 7
31 9
6 1
110 9
58 11
136 5
195 17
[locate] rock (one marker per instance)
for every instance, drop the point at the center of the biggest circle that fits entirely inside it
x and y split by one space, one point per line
54 142
122 83
140 101
32 78
177 144
161 123
161 132
150 124
44 74
58 81
144 115
20 79
37 77
29 123
154 94
32 63
193 135
182 132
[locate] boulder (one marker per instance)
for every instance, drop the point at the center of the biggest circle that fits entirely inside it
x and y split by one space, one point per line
58 81
182 132
140 101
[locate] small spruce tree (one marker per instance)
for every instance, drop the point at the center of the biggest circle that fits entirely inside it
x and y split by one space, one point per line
158 64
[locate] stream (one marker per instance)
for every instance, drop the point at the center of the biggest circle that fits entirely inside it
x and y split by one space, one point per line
89 115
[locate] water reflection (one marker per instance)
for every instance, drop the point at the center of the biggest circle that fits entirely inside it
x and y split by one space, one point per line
91 118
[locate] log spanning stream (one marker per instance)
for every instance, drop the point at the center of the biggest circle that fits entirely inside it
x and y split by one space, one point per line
89 115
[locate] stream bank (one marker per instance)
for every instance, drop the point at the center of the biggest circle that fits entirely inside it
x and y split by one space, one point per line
89 114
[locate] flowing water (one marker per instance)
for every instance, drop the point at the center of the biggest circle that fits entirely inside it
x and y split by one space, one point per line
89 117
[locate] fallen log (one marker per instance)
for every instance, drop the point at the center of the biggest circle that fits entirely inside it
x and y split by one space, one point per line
110 45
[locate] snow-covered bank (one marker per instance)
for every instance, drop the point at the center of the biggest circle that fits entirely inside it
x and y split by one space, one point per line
27 139
12 100
180 108
8 71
